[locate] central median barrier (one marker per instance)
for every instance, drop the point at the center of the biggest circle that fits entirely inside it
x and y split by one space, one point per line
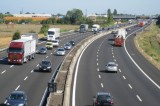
63 81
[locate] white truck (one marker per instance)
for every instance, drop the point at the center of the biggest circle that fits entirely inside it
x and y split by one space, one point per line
83 28
21 51
30 36
95 27
53 34
121 33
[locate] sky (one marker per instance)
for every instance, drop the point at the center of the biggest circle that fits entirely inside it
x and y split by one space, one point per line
134 7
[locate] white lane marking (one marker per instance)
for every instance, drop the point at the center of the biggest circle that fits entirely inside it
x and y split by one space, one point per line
98 69
130 86
113 56
112 53
139 98
51 53
46 56
26 78
115 60
11 66
54 50
37 65
137 64
32 71
99 76
124 77
5 102
120 70
17 87
97 59
97 55
97 64
97 52
102 85
3 72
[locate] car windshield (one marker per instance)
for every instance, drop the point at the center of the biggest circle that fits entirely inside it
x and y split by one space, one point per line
15 50
16 97
112 65
54 41
48 43
67 44
103 97
45 63
42 49
50 32
60 49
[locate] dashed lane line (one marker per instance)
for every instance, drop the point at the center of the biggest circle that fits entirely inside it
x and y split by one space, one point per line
17 87
102 85
98 69
3 72
11 66
124 77
120 70
130 86
26 78
99 76
139 98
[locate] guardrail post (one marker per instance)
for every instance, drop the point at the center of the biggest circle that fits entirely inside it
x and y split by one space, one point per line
52 87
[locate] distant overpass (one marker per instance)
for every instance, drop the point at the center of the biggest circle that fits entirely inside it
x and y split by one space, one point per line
132 17
124 17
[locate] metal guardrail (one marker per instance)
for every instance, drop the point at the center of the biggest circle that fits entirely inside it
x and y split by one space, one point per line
49 89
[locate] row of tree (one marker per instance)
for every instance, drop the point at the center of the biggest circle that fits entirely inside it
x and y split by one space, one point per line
74 16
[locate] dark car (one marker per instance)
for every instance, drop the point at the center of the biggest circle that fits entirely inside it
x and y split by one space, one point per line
72 42
42 50
45 65
103 99
17 98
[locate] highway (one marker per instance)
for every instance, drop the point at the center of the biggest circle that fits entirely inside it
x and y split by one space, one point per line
26 77
136 83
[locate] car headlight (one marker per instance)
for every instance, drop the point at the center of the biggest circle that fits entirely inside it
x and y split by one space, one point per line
48 67
7 103
21 104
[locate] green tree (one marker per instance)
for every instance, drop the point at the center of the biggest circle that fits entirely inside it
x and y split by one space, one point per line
44 29
109 17
75 16
16 35
115 12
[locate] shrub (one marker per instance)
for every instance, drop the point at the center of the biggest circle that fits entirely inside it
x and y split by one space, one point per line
16 35
44 29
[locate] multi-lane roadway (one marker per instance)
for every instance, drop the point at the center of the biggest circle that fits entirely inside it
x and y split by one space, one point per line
137 82
26 77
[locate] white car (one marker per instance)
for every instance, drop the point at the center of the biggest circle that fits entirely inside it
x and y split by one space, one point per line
112 67
61 52
55 43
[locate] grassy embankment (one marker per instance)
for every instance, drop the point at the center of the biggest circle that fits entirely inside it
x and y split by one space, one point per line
6 32
148 43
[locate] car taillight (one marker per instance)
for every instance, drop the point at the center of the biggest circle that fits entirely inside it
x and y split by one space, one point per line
111 102
96 101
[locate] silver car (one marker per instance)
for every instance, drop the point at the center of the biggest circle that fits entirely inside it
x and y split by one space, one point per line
67 46
61 52
112 67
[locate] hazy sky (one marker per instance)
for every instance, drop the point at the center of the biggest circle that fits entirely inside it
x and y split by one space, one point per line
137 7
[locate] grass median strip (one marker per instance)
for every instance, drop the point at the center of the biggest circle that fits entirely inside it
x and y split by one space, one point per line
148 42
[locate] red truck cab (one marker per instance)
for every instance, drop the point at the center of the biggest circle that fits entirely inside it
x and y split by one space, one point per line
118 41
15 52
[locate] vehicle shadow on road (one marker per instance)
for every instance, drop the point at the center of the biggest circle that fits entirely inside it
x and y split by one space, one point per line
4 61
104 71
38 71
